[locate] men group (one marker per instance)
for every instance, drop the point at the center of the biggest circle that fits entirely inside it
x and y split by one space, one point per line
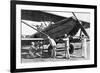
35 51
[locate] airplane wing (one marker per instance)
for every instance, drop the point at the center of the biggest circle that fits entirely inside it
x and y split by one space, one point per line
66 26
37 15
61 26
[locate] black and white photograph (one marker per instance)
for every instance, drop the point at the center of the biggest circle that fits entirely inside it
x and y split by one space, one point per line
54 36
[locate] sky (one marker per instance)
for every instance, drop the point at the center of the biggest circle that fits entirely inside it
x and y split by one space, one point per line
26 30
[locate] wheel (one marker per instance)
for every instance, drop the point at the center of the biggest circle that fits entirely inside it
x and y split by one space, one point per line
50 51
71 50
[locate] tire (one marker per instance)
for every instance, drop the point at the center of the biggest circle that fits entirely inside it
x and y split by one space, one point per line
50 49
71 50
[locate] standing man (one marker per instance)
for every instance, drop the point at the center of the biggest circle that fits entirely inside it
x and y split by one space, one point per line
67 46
53 47
84 47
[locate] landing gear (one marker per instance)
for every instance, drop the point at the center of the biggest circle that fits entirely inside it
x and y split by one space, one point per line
51 54
71 50
50 51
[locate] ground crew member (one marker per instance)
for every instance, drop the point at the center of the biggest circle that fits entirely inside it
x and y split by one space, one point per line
84 47
67 46
53 47
33 51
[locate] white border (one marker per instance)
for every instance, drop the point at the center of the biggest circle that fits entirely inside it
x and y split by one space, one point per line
20 65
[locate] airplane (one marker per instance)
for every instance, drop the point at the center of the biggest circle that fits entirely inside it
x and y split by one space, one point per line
56 31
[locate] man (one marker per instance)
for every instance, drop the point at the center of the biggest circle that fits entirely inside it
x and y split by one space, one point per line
67 46
33 50
52 47
84 47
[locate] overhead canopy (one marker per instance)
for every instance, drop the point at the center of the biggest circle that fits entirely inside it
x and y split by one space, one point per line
38 16
34 15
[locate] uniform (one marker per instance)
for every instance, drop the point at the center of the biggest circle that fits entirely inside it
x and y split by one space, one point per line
52 47
84 47
67 46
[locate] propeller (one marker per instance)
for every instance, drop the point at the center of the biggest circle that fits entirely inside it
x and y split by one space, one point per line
80 25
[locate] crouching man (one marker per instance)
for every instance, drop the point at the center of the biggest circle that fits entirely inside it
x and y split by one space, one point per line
34 51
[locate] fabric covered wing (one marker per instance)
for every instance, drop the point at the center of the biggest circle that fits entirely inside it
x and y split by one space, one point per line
66 26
